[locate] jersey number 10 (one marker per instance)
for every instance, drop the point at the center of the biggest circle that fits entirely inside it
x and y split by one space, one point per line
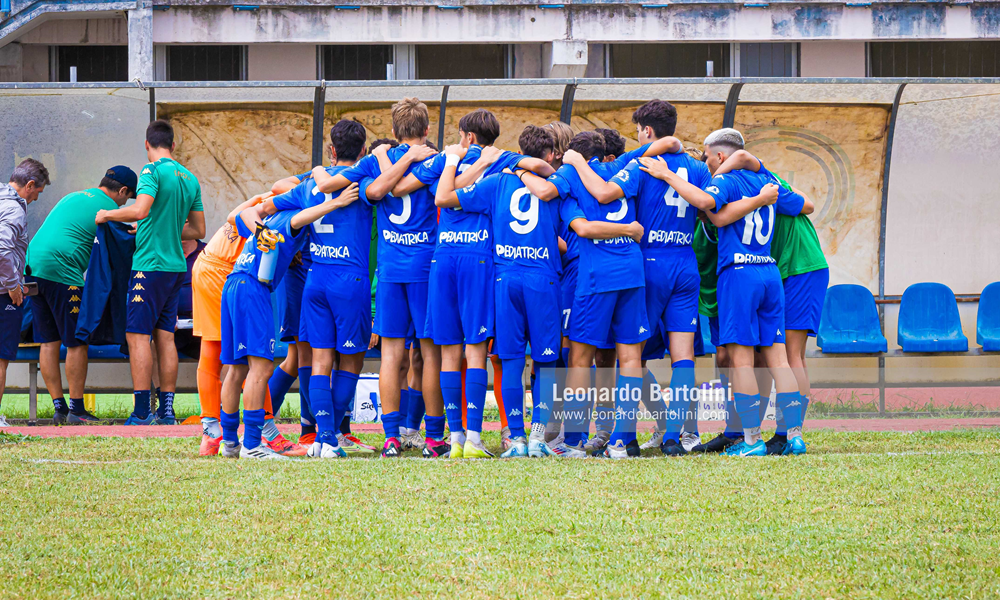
754 225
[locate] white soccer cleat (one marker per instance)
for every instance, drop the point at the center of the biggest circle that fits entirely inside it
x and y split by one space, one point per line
518 449
323 450
539 449
565 451
230 450
261 452
616 450
690 440
654 442
3 421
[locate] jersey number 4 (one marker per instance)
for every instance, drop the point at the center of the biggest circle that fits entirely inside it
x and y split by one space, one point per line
672 198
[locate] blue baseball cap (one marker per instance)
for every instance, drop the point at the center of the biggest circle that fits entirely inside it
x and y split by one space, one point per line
124 176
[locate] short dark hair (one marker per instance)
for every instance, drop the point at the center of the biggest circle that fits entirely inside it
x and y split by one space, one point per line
431 145
383 142
660 115
614 143
111 185
160 134
30 170
348 139
483 123
536 141
588 143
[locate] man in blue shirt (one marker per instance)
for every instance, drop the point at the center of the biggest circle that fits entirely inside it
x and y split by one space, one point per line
461 275
248 318
525 236
751 298
407 228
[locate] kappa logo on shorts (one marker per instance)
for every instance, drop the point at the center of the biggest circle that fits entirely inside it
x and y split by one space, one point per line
482 330
75 310
241 347
349 344
74 298
548 352
694 321
779 333
72 288
282 330
515 413
11 307
139 275
138 287
137 298
642 329
757 403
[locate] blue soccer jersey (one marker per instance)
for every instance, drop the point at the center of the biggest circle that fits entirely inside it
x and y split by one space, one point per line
668 220
605 265
248 261
407 226
748 241
341 238
525 229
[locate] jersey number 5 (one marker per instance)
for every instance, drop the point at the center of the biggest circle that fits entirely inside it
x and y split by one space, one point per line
526 220
672 198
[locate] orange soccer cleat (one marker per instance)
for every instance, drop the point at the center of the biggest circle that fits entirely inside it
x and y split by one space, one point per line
359 443
307 439
209 445
285 447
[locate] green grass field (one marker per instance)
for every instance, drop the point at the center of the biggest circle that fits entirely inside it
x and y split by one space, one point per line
871 515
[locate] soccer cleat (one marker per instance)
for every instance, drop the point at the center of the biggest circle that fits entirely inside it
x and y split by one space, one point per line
261 452
616 450
391 448
565 451
518 449
230 449
690 440
654 442
81 419
134 420
672 448
716 445
307 439
505 440
354 440
475 450
632 448
351 447
59 417
742 448
539 449
167 419
437 448
598 442
324 450
554 435
456 450
796 446
412 441
209 445
776 445
3 421
284 447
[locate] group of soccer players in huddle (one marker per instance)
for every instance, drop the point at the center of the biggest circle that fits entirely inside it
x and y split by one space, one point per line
574 248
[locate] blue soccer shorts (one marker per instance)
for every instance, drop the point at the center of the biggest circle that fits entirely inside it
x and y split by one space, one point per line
10 326
289 299
567 283
804 296
460 301
713 330
656 345
336 309
672 288
152 301
604 319
54 312
398 306
527 305
751 306
247 320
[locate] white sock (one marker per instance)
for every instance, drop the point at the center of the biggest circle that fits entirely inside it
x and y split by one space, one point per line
537 432
752 436
211 427
475 437
458 437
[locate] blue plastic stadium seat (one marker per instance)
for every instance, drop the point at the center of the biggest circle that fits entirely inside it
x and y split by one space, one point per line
849 323
929 321
988 320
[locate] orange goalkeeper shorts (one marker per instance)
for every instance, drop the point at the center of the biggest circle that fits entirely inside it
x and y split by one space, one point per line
208 276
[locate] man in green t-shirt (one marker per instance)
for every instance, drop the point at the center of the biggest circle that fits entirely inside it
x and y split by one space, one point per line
168 209
58 256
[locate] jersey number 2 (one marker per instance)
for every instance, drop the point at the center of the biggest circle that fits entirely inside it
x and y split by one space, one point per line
319 226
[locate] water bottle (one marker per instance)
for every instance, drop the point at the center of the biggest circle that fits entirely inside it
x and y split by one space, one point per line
268 262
